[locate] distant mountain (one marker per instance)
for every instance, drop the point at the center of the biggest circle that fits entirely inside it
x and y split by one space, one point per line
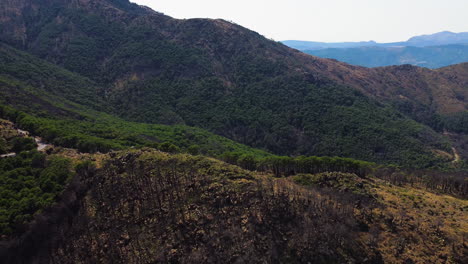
441 38
430 51
310 45
437 39
429 57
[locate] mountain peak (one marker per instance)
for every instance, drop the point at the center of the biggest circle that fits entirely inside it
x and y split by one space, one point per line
440 38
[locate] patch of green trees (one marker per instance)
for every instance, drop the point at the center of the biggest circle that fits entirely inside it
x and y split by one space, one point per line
102 133
29 182
286 166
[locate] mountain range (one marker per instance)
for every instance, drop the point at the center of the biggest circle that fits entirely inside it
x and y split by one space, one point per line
430 51
146 67
436 39
117 89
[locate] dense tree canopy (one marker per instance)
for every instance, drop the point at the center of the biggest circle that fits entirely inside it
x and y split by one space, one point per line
28 183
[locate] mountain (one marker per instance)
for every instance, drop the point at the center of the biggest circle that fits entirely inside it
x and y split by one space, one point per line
66 110
429 57
436 39
430 51
211 74
311 45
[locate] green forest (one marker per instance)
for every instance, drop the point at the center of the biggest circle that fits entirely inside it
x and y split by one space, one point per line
280 115
29 183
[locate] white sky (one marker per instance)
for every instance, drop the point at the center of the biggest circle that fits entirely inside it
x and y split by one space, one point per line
327 20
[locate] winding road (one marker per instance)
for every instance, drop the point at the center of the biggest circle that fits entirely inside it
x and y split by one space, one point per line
456 155
41 146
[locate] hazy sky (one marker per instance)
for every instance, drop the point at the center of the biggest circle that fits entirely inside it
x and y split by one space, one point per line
328 20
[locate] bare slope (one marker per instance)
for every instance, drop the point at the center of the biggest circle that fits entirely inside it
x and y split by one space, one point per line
146 206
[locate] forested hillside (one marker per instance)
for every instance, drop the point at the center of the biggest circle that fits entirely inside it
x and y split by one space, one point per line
144 66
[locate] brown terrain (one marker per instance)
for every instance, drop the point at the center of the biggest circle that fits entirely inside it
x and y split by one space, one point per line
151 207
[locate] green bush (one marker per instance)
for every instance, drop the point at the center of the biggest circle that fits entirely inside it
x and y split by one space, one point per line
20 144
168 147
194 150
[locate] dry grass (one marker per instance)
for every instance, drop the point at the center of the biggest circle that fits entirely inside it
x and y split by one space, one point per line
421 226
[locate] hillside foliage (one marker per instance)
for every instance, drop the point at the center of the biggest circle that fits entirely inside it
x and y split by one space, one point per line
146 67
